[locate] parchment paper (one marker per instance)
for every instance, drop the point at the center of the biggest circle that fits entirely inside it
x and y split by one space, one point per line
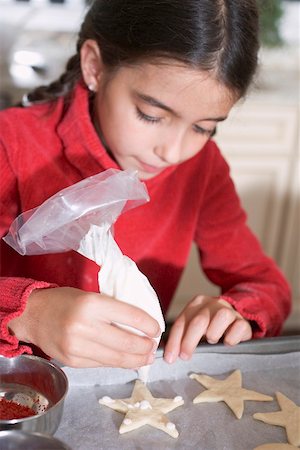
86 425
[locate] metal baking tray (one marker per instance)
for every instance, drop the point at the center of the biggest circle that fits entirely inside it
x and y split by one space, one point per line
267 366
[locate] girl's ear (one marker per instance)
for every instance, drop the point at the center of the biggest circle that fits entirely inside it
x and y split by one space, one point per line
91 64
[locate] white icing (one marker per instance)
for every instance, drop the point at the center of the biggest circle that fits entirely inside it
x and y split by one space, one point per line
127 421
107 399
145 405
143 373
178 398
170 426
120 278
137 405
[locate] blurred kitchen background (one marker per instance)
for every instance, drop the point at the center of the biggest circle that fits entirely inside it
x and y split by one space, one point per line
260 140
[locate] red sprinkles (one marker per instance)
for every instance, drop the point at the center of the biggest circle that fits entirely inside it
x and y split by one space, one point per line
10 410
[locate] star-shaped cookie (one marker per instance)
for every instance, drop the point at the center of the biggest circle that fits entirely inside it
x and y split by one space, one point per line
288 417
229 391
144 409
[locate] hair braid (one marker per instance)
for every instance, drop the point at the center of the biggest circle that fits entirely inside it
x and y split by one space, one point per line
60 87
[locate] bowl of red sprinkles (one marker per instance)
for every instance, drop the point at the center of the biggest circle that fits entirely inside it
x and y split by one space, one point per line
32 394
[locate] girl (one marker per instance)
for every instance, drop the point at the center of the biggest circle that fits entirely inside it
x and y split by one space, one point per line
146 89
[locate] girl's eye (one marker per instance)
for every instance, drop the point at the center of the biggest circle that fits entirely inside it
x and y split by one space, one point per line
146 117
152 119
201 130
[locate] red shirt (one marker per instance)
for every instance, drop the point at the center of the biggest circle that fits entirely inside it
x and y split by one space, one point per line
45 148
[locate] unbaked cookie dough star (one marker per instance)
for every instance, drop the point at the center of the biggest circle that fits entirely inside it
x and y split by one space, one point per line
288 417
144 409
229 391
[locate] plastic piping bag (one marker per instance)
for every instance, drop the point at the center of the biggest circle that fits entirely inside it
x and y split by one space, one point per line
80 217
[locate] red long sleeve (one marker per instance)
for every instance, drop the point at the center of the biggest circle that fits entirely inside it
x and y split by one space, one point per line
249 280
14 295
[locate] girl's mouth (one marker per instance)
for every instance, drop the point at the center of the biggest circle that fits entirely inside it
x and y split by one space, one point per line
149 168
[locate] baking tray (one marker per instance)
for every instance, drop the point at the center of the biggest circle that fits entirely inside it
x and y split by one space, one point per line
267 366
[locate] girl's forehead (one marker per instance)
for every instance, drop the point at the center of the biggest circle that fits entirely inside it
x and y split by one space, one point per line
176 85
162 74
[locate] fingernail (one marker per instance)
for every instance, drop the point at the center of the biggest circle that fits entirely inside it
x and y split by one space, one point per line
154 347
158 334
184 356
169 357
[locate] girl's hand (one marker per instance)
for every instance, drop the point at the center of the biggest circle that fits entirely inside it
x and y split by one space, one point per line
77 329
211 317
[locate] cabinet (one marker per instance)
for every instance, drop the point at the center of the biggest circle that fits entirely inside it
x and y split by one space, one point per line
260 140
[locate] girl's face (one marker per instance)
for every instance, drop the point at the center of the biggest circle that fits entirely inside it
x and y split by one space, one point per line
151 116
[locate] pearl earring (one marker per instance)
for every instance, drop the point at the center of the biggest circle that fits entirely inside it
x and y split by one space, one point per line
92 87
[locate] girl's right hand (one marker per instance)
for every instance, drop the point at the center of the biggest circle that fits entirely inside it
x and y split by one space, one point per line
77 328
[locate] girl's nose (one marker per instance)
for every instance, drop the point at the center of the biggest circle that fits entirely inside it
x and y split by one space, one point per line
170 151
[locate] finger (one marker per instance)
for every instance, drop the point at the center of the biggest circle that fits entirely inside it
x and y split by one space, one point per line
79 362
172 348
193 334
116 338
97 355
125 314
88 340
239 331
112 358
222 319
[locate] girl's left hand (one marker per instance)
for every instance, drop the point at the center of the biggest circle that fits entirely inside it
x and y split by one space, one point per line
211 317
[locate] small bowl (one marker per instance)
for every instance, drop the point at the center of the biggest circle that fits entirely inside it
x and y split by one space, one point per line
37 383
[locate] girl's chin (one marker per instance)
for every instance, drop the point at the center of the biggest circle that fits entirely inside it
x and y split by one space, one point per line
145 175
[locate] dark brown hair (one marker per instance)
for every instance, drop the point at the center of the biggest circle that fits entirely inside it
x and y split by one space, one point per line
211 35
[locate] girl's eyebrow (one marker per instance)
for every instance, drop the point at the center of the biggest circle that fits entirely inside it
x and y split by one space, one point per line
154 102
158 104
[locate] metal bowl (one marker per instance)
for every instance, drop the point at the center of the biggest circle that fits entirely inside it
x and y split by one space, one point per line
37 383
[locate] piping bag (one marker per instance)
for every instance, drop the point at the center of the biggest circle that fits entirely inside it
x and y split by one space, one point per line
80 218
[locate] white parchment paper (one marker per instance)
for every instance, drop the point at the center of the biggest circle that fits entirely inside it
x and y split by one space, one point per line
86 425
